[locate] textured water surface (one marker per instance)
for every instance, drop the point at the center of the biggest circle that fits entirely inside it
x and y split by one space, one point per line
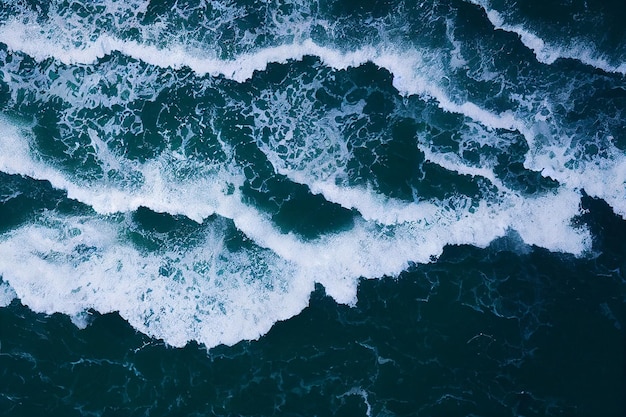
378 208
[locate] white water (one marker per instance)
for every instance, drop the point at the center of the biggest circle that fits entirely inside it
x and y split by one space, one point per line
213 295
414 73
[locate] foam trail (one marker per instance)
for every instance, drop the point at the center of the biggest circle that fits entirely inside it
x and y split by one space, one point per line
161 194
548 53
77 263
406 66
19 37
385 210
414 72
204 197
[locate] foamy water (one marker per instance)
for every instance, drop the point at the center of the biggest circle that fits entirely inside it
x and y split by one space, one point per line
214 294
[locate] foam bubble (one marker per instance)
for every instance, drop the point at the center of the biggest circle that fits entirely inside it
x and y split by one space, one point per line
7 294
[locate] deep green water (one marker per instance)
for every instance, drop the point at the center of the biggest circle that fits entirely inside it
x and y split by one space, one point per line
301 208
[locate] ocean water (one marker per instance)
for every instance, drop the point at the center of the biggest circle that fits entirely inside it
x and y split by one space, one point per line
298 208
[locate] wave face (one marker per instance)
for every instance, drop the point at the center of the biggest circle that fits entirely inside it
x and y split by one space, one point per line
200 169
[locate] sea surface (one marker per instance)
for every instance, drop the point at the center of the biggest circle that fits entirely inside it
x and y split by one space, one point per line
312 208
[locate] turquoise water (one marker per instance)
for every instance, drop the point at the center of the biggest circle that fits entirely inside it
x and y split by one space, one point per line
292 208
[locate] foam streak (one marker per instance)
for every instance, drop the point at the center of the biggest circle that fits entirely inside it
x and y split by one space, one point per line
548 53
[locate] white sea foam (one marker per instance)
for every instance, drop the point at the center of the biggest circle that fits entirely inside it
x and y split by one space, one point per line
414 72
213 295
7 294
547 52
161 193
373 206
207 294
599 177
411 75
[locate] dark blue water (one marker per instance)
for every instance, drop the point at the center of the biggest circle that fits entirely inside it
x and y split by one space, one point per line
378 208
